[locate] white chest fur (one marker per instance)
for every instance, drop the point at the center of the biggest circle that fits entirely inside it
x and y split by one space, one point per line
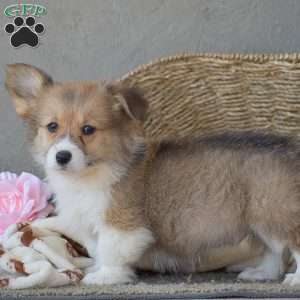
81 205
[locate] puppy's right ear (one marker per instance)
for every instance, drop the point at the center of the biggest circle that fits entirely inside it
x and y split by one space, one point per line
24 84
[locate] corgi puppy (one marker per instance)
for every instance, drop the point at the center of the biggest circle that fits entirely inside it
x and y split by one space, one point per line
133 202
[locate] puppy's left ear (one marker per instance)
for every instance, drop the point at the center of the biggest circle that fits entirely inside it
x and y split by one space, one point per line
24 84
128 100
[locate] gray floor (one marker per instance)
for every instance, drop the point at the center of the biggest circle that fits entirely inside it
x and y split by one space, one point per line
155 286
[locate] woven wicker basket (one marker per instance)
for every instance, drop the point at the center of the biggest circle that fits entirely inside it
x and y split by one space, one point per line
202 94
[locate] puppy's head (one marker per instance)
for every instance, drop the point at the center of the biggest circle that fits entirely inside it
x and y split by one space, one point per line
76 126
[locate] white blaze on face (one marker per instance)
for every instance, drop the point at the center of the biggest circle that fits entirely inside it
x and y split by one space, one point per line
77 160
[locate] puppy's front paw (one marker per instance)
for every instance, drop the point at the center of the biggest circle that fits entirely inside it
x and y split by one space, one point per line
109 275
292 279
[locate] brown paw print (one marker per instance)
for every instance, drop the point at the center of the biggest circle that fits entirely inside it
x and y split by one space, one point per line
74 275
4 282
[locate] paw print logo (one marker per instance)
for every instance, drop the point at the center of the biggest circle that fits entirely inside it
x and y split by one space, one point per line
24 32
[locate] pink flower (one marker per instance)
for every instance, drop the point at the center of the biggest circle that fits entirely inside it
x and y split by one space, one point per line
22 198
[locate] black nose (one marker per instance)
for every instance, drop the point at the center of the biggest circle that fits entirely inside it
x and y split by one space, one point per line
63 157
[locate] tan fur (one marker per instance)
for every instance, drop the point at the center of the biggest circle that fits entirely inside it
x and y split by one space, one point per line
180 219
125 211
201 202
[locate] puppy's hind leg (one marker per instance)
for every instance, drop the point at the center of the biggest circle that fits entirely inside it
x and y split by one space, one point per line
250 253
294 278
293 239
251 263
271 266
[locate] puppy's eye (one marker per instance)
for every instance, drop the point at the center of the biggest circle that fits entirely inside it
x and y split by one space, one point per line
88 129
52 127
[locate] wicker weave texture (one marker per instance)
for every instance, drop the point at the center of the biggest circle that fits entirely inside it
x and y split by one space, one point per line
202 94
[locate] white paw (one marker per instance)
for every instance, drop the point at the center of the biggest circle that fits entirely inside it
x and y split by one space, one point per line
292 279
108 275
257 274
